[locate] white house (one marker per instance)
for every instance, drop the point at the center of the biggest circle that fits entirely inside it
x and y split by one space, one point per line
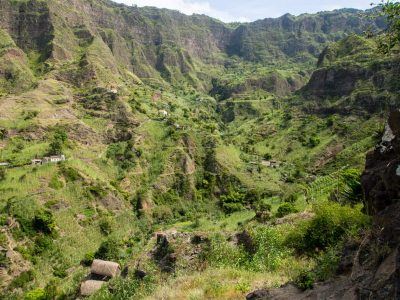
163 113
54 159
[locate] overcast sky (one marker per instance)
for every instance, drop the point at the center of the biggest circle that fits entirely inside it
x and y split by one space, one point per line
249 10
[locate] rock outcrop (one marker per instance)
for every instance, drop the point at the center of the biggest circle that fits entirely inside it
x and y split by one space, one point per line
352 78
381 179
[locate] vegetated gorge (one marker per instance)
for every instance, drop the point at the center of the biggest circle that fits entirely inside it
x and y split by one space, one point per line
147 154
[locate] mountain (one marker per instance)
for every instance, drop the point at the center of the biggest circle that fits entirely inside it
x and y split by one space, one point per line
165 44
207 159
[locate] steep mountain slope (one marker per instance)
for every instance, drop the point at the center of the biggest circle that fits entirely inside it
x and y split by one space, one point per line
300 38
180 125
165 44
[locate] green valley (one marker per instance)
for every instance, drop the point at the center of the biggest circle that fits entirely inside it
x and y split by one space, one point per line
209 160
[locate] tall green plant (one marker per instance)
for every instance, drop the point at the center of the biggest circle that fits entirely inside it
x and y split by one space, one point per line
391 10
342 186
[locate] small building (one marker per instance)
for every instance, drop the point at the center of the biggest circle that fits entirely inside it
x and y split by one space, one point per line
4 164
266 163
53 159
36 161
271 164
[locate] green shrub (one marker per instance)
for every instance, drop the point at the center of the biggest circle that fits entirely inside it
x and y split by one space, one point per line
22 279
232 207
291 197
23 209
52 289
30 114
267 156
331 223
305 280
123 154
330 121
348 188
222 253
263 210
88 259
3 133
313 142
267 254
2 173
43 243
55 183
58 141
97 190
106 225
327 263
109 249
4 260
233 201
60 270
286 209
36 294
270 249
70 173
262 205
162 213
44 222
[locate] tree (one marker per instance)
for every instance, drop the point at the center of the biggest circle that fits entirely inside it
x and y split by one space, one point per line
391 10
58 141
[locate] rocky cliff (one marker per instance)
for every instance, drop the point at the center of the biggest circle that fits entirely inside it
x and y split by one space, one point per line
352 77
296 37
164 44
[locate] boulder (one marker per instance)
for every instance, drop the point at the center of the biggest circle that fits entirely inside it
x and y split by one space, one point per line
105 268
89 287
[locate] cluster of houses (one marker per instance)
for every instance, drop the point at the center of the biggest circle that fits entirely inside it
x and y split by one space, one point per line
48 160
41 161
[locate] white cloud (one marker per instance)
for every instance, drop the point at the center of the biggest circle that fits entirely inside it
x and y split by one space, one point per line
188 7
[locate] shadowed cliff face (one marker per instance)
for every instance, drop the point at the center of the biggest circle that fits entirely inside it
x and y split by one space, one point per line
353 78
29 23
381 179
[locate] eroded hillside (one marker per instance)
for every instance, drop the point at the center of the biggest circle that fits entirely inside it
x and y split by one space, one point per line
223 139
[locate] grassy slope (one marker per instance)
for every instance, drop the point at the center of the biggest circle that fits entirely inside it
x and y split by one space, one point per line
105 191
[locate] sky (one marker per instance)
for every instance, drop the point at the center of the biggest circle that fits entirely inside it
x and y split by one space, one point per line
249 10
